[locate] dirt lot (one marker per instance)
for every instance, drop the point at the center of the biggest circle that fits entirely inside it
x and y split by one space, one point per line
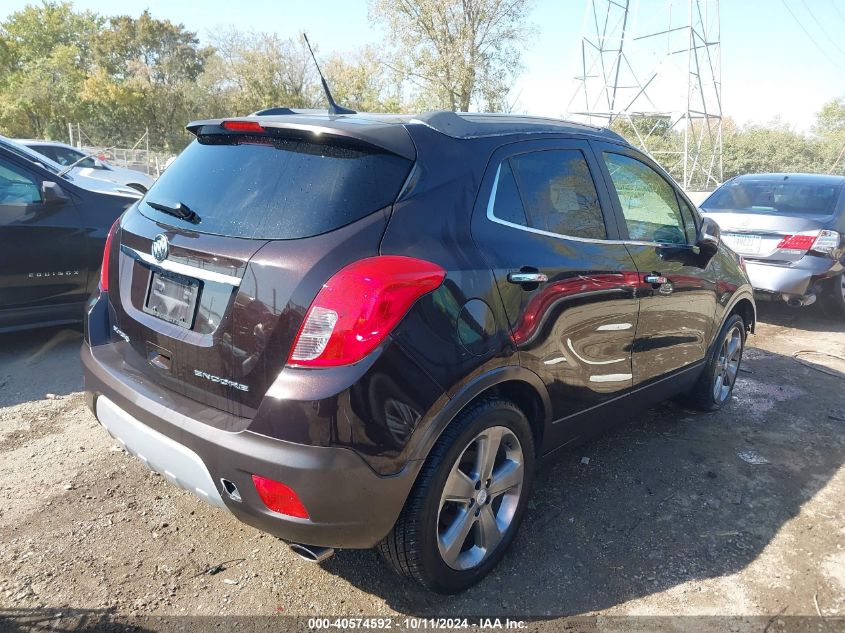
666 518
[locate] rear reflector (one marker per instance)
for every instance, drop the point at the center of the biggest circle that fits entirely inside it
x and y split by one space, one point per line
358 307
279 498
104 269
242 126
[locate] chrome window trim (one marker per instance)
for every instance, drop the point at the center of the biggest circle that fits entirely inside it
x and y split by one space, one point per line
182 269
570 238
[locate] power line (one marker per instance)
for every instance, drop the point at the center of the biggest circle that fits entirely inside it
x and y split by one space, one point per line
810 37
836 8
821 26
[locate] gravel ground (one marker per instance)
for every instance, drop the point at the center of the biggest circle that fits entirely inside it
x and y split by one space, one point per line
667 518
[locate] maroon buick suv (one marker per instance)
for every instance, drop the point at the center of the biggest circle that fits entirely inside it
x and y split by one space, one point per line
357 331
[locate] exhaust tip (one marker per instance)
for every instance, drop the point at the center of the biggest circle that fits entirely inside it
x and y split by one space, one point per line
799 302
311 553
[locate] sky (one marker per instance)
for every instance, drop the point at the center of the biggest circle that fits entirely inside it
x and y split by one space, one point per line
775 64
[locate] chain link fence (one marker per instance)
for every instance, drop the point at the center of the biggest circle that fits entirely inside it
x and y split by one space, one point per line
138 157
143 160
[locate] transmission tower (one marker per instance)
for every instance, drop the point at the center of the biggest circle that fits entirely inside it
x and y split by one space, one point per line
652 70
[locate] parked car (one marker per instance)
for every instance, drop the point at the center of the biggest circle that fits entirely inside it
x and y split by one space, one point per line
52 231
365 330
790 228
89 165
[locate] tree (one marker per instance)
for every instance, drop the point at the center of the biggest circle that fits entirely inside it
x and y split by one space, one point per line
262 70
772 148
143 73
456 53
44 52
360 81
830 130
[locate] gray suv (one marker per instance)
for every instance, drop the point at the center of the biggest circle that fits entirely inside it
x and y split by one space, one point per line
790 229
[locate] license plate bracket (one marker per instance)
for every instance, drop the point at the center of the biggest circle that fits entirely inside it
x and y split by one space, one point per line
744 244
172 298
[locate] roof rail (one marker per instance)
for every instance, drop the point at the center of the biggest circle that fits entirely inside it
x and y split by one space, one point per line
466 125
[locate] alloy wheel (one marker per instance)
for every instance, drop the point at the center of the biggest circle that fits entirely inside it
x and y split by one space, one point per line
480 498
727 364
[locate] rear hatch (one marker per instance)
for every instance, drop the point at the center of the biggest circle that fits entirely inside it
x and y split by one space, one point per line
211 301
774 221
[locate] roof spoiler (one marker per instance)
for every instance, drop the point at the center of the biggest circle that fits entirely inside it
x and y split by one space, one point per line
384 136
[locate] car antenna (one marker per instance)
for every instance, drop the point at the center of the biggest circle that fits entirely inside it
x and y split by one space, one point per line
333 107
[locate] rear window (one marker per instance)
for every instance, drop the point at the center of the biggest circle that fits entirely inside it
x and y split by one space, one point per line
276 188
775 197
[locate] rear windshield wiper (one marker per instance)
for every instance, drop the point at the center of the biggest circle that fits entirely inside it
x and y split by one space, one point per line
176 209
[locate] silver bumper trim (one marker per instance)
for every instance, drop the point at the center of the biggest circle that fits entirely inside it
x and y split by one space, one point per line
177 463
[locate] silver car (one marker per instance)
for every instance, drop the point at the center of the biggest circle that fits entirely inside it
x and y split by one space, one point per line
89 166
790 229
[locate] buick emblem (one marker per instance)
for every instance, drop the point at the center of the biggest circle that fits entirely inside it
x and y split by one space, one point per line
160 248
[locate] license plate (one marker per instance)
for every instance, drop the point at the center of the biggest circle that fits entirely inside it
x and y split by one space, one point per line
745 244
172 298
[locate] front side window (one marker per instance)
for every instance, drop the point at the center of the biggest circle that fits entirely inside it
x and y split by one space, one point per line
551 191
648 201
17 188
690 227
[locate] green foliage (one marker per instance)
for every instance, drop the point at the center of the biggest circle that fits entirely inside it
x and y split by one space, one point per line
456 53
361 82
43 52
774 147
142 71
119 76
261 70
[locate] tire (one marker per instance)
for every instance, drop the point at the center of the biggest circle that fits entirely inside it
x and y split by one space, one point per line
833 299
419 546
710 393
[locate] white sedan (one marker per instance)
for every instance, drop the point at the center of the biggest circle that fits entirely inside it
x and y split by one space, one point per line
89 166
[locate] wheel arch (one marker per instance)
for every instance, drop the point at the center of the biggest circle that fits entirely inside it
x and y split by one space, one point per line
745 308
519 385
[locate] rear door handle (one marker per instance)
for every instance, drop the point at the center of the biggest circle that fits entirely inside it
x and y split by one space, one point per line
656 279
527 278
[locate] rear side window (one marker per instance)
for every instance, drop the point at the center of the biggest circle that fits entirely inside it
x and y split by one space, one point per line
276 188
775 197
61 155
549 190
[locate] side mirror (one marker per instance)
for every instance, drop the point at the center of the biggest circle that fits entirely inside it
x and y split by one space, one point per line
98 164
709 237
52 193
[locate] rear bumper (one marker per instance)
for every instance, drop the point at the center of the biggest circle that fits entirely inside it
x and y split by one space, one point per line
796 280
348 503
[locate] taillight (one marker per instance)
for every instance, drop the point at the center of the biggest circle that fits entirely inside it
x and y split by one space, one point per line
279 498
798 242
826 243
359 306
242 126
104 269
823 242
